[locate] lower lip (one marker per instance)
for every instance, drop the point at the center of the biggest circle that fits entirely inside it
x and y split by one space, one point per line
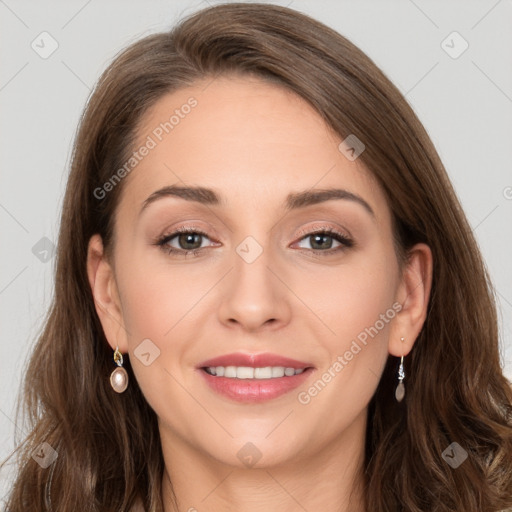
254 390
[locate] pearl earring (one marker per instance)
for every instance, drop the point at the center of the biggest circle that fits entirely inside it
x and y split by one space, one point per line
400 389
119 377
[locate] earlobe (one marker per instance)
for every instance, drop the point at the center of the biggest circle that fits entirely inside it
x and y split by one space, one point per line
106 298
413 295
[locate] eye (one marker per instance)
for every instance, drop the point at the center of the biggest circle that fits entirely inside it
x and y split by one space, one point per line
183 241
322 241
188 240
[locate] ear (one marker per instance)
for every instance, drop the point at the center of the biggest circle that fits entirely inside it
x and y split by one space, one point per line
105 293
413 295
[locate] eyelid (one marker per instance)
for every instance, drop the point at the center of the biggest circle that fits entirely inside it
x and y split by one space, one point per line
185 229
301 234
322 228
345 242
173 233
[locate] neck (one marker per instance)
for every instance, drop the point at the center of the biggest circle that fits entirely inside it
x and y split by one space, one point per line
331 480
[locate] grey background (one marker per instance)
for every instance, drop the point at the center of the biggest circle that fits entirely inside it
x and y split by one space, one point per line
465 103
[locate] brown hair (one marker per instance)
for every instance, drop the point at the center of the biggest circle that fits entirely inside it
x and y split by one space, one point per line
109 453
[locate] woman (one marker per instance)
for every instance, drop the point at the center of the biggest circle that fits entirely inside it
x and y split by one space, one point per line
267 294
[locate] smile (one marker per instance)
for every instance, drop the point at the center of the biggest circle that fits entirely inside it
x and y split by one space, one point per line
247 372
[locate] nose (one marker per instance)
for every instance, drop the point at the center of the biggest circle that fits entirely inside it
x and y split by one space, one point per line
253 297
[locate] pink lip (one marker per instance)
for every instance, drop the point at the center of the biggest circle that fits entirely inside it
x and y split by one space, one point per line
254 361
254 390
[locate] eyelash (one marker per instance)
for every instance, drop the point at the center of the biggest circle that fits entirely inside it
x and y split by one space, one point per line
345 241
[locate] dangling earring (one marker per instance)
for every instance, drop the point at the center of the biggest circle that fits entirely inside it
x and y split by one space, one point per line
119 377
400 389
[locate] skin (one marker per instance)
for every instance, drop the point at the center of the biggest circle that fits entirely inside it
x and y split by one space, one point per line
254 143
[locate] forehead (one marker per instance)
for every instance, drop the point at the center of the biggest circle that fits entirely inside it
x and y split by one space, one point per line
252 141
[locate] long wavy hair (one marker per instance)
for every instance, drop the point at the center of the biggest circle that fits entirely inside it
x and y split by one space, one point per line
108 445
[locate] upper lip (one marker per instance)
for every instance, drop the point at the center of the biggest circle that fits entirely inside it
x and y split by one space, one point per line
254 361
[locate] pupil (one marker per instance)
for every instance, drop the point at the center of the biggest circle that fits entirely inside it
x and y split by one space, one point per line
317 239
186 238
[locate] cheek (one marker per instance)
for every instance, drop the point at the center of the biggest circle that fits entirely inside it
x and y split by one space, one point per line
158 305
163 304
352 297
363 296
358 308
355 304
156 296
147 307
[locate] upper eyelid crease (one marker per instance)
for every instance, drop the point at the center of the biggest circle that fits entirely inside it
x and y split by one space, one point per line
293 201
304 232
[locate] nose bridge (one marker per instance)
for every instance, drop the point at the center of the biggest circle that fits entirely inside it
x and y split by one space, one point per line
251 264
253 297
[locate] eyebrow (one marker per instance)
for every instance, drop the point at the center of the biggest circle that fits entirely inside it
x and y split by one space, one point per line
293 201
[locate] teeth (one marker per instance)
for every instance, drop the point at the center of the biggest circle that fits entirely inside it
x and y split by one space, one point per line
263 373
277 371
246 372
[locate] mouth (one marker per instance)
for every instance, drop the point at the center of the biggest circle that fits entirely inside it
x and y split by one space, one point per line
247 372
253 378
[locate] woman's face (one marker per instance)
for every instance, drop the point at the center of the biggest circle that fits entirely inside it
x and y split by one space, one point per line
255 173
